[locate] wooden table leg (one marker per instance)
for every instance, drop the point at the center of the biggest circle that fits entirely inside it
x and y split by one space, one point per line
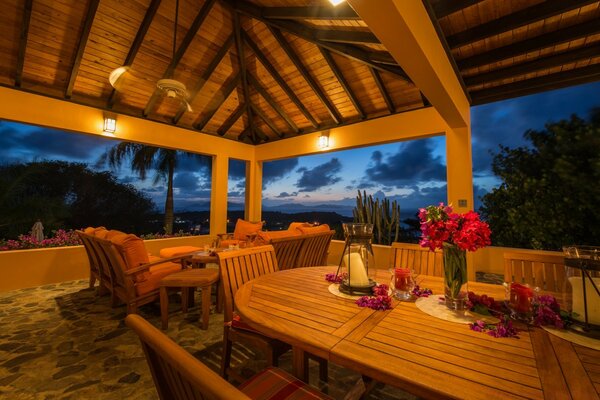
164 307
300 364
206 292
185 296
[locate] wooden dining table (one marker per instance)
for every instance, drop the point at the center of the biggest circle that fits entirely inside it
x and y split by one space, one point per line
409 349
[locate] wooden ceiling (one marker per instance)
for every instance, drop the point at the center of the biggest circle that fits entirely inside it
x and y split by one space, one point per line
510 48
264 70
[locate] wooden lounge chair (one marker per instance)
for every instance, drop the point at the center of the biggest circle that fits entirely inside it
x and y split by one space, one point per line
420 259
178 375
100 262
546 271
92 258
287 250
314 249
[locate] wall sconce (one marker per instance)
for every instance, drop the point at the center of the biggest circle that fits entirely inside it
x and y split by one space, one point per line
110 124
323 141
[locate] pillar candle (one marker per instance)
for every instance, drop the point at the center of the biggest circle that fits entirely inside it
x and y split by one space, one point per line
356 270
593 300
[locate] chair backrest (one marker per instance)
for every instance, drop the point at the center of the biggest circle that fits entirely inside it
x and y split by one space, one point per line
314 249
241 266
176 373
422 260
90 251
106 274
117 266
546 271
287 250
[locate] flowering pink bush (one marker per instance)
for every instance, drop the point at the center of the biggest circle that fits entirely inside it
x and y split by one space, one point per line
440 224
60 238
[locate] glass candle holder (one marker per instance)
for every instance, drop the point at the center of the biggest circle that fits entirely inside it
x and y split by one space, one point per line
519 298
402 282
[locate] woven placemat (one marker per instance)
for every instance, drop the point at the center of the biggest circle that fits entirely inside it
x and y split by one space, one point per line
574 337
433 306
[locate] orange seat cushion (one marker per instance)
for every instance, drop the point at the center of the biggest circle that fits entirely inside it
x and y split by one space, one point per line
244 228
314 229
229 242
154 275
133 251
177 251
295 225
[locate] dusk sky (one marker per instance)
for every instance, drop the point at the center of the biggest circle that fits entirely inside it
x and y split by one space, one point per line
414 172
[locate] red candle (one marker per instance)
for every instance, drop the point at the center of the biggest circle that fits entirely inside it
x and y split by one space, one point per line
520 297
402 279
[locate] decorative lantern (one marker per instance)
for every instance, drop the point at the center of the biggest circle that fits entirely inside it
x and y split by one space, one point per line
582 292
357 254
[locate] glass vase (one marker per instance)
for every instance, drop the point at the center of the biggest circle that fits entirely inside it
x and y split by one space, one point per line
455 277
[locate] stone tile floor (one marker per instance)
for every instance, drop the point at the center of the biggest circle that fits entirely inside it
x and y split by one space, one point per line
62 341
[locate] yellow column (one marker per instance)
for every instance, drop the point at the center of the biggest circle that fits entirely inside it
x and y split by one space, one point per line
253 208
218 195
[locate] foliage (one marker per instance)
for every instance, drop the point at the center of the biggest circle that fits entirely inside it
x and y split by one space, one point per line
59 238
384 216
550 191
179 233
66 195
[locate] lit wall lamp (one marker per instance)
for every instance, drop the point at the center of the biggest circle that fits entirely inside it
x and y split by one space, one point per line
336 2
323 142
110 124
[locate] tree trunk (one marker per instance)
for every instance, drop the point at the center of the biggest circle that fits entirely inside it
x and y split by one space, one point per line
169 202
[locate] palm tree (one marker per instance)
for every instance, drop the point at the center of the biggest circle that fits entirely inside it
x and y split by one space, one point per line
143 158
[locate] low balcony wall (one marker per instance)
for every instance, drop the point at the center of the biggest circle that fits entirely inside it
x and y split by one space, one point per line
36 267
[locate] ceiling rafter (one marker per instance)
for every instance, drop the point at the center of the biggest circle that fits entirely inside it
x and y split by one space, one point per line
547 82
379 60
535 43
217 101
515 20
244 133
83 39
239 45
280 81
241 109
541 63
384 93
281 40
136 44
341 11
443 8
343 82
205 77
185 43
269 99
346 36
267 120
23 35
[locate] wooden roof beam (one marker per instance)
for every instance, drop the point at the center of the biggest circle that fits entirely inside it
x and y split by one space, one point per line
241 108
346 36
23 42
205 76
218 102
137 43
239 45
535 43
269 99
341 11
83 38
372 59
267 120
183 46
557 80
342 80
526 16
280 81
386 96
538 64
333 112
443 8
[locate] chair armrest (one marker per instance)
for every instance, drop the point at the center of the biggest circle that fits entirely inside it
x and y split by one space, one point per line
146 267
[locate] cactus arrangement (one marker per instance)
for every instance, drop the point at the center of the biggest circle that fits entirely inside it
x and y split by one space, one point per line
384 216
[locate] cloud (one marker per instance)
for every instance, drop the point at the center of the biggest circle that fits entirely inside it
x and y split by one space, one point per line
192 162
413 163
186 181
319 176
286 194
237 169
275 170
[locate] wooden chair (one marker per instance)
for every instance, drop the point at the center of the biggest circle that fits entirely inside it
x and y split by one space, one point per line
102 263
92 258
237 268
420 259
546 271
287 250
178 375
314 249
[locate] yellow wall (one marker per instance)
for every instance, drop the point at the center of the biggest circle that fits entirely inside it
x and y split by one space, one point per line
27 268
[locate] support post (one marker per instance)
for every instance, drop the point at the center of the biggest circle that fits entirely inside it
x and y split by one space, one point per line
254 181
218 195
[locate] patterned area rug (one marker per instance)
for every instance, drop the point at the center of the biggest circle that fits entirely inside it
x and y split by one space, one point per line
64 342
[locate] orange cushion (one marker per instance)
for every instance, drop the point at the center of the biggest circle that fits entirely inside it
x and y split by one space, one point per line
154 276
228 242
177 251
314 229
295 225
132 249
244 228
112 233
101 233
